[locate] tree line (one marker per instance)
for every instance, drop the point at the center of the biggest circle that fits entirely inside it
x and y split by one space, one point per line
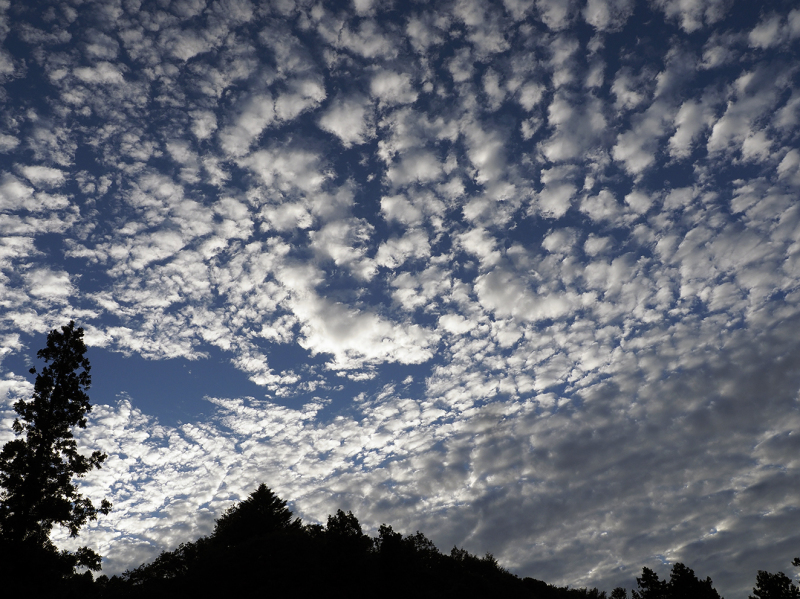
256 547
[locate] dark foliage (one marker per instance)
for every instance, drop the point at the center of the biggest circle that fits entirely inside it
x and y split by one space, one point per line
774 586
37 471
260 514
682 584
258 548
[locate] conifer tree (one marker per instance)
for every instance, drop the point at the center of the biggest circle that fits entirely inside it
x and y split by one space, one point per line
37 470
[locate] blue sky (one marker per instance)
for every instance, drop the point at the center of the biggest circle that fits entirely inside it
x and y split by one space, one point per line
523 275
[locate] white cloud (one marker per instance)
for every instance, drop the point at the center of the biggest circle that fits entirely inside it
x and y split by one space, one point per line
639 201
456 324
288 168
257 114
8 142
399 208
559 241
48 284
788 116
554 13
393 88
506 294
420 166
356 337
690 121
486 152
6 64
102 72
630 91
554 200
637 148
530 94
349 119
424 31
789 167
303 95
755 93
694 14
43 176
601 207
395 251
596 245
14 193
461 66
773 30
606 15
204 123
577 126
368 41
343 242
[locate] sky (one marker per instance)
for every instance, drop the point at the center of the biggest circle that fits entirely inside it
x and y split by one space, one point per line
523 275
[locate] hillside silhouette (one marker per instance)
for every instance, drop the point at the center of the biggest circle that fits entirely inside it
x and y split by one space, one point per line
258 546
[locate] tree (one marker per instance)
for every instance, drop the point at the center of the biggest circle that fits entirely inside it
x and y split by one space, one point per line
774 586
37 471
683 584
343 531
650 586
261 513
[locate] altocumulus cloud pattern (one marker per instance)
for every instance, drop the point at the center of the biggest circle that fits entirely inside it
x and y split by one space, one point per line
523 275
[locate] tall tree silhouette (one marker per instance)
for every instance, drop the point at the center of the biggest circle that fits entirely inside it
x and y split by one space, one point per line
650 586
261 513
37 471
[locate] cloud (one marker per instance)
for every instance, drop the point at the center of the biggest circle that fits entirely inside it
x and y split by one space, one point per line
395 251
355 337
419 166
694 14
369 40
393 88
625 89
288 168
637 148
8 142
340 241
425 30
506 295
606 15
691 120
257 114
576 124
556 15
349 119
48 284
102 72
752 97
303 94
774 30
43 176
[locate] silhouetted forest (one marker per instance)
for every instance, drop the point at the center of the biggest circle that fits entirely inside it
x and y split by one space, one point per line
257 547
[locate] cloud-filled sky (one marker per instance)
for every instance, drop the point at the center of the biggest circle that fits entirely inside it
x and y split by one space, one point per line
522 274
